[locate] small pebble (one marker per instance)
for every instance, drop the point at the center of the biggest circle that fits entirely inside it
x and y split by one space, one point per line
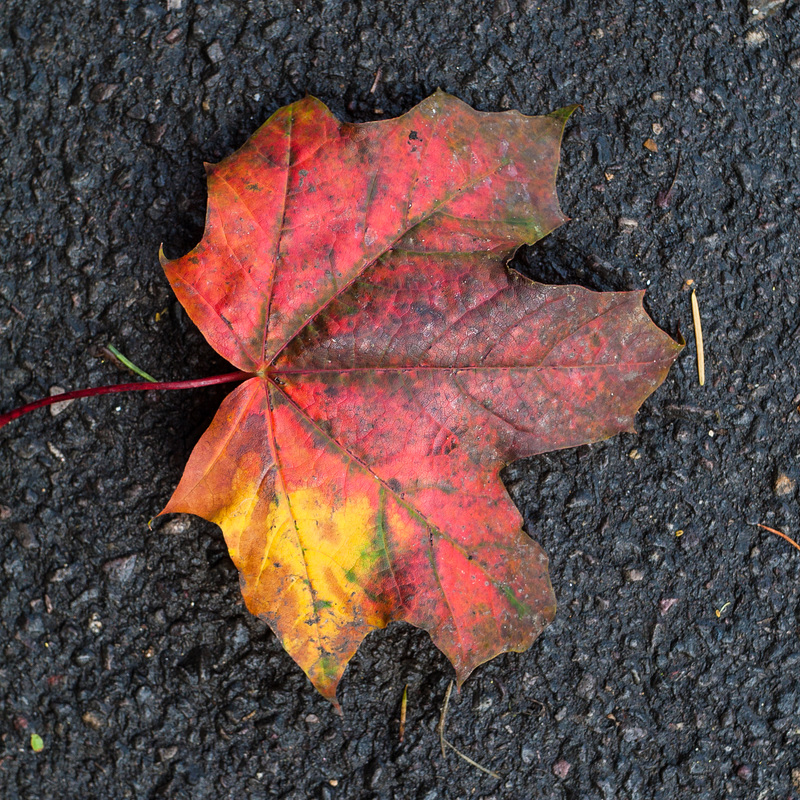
101 92
587 686
482 704
120 570
633 733
155 133
215 53
784 485
92 720
666 604
755 38
57 408
697 96
561 768
627 225
178 525
312 719
634 575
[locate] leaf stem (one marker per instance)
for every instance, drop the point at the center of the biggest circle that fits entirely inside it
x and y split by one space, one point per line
198 383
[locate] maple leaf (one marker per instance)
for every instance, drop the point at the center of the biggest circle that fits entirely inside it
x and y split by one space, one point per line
357 271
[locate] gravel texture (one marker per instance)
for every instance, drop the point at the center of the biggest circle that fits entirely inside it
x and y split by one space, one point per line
671 669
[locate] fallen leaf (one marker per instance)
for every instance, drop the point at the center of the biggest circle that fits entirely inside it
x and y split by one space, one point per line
357 272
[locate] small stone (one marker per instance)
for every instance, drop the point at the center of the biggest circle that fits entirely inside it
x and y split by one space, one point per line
561 768
214 52
173 36
95 623
26 537
54 451
587 686
697 96
527 755
178 525
744 772
634 575
649 144
137 111
633 733
168 753
482 704
579 499
755 37
666 604
746 177
5 513
627 225
634 454
312 719
92 720
155 133
120 570
784 485
657 128
796 778
101 92
174 5
57 408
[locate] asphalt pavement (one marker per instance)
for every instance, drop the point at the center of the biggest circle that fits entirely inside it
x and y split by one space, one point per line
671 670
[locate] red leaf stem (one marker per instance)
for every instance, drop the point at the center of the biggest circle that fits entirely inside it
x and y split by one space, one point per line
198 383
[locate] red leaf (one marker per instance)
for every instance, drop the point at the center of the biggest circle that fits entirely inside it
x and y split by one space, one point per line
358 272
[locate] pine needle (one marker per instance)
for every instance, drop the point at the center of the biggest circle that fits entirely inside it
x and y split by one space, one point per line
403 708
698 339
129 364
444 715
443 742
791 541
470 761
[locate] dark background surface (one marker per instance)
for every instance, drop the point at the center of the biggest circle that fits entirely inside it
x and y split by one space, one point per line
672 668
